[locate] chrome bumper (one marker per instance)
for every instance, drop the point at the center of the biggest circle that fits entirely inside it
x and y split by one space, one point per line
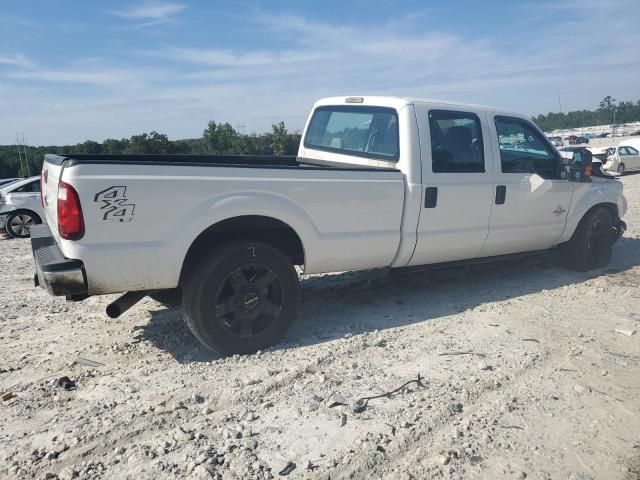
59 275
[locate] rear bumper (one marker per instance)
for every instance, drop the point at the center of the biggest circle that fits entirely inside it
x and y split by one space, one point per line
59 275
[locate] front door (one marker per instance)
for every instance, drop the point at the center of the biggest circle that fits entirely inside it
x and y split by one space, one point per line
531 201
457 185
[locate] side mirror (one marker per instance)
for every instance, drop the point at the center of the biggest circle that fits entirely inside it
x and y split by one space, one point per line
581 166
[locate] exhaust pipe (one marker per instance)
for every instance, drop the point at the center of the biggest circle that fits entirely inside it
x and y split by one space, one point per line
124 303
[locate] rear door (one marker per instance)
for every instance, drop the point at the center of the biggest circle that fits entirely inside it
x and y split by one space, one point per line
530 200
457 185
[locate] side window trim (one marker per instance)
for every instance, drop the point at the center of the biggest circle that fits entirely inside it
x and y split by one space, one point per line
479 127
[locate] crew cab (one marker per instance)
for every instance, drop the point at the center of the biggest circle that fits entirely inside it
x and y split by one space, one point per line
377 182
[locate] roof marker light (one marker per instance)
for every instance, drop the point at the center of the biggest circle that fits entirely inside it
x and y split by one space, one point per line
354 99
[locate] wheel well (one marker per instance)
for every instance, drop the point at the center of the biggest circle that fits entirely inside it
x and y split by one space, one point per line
612 207
253 227
25 210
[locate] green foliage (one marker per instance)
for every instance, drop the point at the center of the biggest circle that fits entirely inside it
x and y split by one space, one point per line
221 139
279 138
609 111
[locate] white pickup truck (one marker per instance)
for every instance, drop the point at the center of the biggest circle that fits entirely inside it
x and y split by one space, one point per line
378 182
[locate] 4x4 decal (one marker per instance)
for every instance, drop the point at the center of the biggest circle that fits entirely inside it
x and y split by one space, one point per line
115 204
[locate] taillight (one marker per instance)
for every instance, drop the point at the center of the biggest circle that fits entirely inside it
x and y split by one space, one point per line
42 187
70 222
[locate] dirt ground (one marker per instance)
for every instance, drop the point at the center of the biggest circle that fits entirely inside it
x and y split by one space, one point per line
512 370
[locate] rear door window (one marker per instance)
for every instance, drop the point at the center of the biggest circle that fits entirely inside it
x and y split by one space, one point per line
456 142
370 132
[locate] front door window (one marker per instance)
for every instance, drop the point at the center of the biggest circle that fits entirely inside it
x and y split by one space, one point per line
523 149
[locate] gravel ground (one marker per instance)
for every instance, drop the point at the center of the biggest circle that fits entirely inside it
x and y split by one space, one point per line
515 370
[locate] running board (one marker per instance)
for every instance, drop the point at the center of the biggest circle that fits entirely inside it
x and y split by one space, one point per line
463 263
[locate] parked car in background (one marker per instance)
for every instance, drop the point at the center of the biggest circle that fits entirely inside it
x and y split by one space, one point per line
556 141
582 140
622 159
7 181
603 135
20 207
617 130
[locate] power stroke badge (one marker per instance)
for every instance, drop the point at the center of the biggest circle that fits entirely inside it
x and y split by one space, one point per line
115 204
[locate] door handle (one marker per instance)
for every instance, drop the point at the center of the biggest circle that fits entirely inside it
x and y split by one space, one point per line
501 194
431 197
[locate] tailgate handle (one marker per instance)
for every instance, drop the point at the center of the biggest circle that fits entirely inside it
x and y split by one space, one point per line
501 194
431 197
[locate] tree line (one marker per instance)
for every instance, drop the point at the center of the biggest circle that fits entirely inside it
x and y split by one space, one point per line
222 138
217 138
609 112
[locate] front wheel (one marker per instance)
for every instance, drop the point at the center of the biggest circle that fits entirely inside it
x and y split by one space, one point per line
621 169
592 242
241 298
18 224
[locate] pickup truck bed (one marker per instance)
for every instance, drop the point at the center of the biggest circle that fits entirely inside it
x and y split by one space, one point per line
158 205
242 161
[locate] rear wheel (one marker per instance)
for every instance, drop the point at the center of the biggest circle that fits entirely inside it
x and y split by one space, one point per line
592 242
241 298
621 169
18 224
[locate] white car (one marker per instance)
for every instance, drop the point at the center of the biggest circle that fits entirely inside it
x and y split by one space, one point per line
6 181
622 159
378 182
20 207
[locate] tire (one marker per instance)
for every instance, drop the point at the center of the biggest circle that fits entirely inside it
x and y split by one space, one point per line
241 298
169 298
592 242
621 169
18 224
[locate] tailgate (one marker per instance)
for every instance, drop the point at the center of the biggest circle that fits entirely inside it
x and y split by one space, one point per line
51 171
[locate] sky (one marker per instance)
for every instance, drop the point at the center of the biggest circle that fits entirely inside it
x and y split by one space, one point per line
76 70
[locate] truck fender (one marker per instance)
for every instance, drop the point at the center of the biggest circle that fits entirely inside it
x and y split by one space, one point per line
591 199
229 205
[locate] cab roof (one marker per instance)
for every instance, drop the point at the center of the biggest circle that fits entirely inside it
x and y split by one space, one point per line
400 102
